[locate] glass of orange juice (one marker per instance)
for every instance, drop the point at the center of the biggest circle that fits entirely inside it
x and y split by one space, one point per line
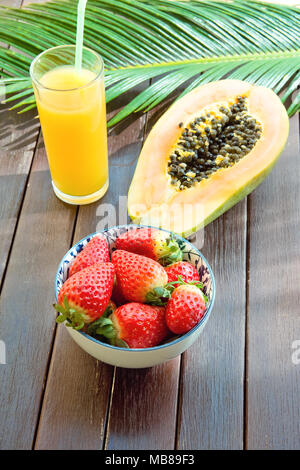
71 106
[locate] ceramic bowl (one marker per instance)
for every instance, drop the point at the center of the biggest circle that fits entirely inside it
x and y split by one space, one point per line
138 358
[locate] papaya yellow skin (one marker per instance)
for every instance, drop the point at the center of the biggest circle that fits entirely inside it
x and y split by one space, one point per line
152 200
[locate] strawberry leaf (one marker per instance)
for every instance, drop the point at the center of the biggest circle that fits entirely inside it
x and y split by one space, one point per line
66 303
159 296
173 252
61 318
171 286
121 344
106 321
103 328
107 331
78 325
59 308
197 284
71 316
98 325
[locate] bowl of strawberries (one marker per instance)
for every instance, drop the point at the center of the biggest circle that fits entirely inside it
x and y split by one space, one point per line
134 296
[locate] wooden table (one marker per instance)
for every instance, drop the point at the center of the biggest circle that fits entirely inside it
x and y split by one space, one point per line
236 388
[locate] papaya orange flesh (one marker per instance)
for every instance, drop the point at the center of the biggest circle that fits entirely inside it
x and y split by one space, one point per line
157 197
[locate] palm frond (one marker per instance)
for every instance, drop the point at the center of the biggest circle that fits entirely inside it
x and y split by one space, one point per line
178 44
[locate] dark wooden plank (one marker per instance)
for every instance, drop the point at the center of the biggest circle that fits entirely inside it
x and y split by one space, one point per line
80 422
18 136
274 298
76 399
17 144
211 415
27 320
143 409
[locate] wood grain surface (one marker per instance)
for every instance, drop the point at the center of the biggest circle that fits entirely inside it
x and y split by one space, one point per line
212 395
27 318
16 151
236 387
273 407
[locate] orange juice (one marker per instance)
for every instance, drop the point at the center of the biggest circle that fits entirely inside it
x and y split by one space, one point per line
71 105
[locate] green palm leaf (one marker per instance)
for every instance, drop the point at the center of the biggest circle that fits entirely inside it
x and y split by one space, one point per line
176 44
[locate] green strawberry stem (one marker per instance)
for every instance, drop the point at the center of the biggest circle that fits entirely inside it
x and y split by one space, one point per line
161 295
182 282
103 328
70 315
173 252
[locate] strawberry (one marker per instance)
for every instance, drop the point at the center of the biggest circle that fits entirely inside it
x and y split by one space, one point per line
185 308
84 296
117 295
134 325
185 270
96 251
138 276
150 242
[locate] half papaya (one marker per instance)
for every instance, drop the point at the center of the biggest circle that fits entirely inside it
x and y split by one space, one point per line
210 149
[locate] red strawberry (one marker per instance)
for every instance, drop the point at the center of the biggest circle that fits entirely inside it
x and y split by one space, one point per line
138 276
96 251
185 308
84 297
150 242
117 295
135 325
184 269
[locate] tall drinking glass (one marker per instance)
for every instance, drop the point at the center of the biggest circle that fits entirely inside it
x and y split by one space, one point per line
71 105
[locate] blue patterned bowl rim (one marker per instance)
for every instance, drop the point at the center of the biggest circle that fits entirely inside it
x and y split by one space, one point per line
165 345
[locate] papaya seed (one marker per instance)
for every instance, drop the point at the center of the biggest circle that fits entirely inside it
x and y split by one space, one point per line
213 141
